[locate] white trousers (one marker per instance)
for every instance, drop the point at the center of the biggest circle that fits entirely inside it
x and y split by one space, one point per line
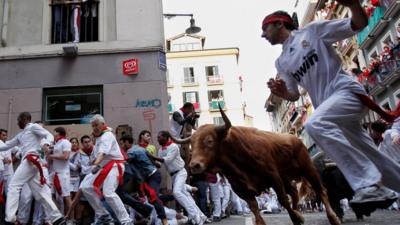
109 186
183 196
335 127
227 195
28 173
237 204
215 194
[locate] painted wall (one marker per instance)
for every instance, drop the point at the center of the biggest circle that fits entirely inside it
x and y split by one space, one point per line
23 82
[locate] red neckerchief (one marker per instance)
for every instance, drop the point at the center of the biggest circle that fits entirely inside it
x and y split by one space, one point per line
166 145
103 131
75 149
143 145
88 151
59 138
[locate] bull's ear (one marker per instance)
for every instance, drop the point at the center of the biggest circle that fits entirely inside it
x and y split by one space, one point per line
222 130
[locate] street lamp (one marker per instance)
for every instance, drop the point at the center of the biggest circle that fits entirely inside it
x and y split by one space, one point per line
193 29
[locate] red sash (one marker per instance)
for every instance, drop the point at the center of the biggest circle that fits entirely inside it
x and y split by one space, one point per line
34 159
103 174
57 184
148 191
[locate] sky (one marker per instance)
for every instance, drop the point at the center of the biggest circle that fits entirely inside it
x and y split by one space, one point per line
235 23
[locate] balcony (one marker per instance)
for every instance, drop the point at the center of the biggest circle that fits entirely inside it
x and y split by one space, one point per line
372 22
215 80
214 105
189 82
387 73
377 22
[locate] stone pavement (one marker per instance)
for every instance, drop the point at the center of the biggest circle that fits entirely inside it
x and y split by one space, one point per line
382 217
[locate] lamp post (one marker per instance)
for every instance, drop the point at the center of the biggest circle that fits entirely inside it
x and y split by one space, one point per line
193 29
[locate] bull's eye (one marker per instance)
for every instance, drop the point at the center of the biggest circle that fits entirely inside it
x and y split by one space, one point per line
209 141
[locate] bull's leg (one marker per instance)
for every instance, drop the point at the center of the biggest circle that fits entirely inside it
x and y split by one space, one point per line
295 216
312 176
292 191
254 208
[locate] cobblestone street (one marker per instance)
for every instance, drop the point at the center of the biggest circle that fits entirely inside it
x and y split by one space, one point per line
378 218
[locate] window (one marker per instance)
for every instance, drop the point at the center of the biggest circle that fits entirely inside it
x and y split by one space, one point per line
188 73
218 121
373 54
74 21
214 98
386 105
186 46
387 40
72 105
192 97
213 75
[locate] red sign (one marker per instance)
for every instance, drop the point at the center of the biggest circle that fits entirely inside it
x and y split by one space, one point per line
130 66
149 114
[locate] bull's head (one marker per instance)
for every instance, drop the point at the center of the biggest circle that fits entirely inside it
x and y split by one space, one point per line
205 144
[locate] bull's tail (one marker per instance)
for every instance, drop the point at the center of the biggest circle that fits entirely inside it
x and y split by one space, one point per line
305 189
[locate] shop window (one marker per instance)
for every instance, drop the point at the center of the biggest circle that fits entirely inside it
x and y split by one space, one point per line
75 105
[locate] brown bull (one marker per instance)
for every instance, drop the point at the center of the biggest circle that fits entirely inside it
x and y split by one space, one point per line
254 160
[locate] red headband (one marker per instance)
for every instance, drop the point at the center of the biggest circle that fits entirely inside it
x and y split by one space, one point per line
274 18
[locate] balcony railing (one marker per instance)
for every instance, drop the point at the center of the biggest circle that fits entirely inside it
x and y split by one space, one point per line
372 22
74 21
189 81
215 79
214 105
386 73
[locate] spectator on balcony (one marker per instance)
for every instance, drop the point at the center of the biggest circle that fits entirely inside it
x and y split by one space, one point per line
387 59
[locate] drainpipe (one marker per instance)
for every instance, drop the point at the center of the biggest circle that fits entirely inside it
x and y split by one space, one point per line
10 104
3 7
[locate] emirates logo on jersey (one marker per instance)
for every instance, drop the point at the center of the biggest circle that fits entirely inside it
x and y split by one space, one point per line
309 61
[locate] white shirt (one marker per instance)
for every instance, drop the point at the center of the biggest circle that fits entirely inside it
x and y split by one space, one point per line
29 139
309 60
388 147
108 145
61 166
172 158
175 127
74 163
85 163
7 169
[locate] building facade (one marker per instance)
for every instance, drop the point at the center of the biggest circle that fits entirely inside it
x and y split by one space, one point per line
206 78
65 61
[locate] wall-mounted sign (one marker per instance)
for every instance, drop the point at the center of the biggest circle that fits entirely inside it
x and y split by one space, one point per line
162 61
130 67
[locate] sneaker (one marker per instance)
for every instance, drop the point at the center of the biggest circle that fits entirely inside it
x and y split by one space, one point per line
374 193
60 221
203 219
104 220
216 219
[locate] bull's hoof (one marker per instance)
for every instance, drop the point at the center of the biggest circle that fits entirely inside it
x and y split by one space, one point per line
298 219
334 220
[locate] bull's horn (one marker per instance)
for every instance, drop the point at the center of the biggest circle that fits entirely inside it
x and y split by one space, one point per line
223 128
181 141
225 118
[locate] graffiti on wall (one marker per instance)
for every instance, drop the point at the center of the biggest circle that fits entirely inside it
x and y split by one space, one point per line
149 103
